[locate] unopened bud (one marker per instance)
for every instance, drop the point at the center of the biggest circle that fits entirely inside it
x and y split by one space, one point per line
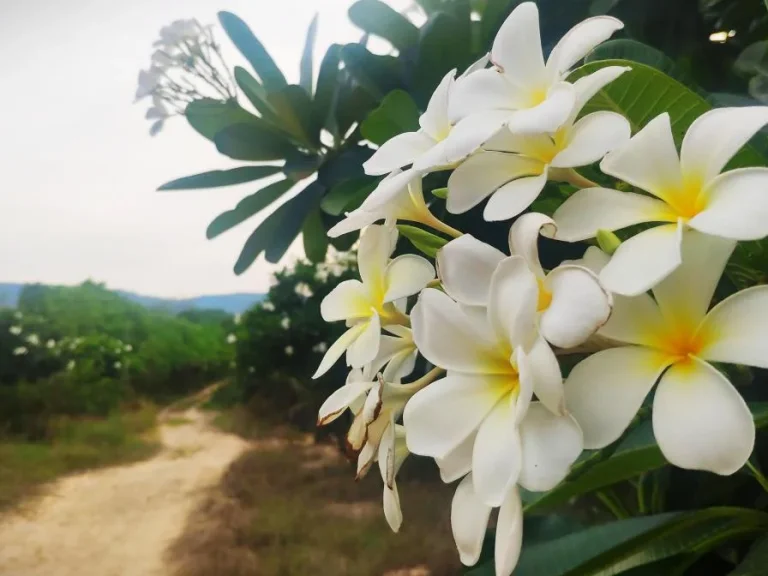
608 241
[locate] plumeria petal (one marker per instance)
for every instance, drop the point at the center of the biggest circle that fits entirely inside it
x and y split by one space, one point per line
715 137
435 120
700 421
392 510
469 521
439 417
649 160
512 302
447 337
547 378
355 220
550 445
517 46
347 300
579 41
605 391
376 244
397 152
635 320
587 86
407 275
338 348
514 197
593 209
525 384
335 405
458 462
509 534
524 238
465 267
496 456
736 205
579 306
644 260
548 116
483 90
736 330
484 173
365 347
591 138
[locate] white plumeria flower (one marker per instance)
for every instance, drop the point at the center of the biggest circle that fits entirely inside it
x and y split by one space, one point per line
690 193
302 289
404 203
572 304
550 444
700 421
485 396
369 304
33 339
268 306
532 96
285 323
231 339
50 344
20 351
289 350
513 168
15 330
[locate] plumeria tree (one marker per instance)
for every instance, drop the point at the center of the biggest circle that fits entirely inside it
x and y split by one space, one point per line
570 238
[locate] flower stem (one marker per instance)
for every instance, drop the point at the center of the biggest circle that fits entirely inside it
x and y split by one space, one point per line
758 475
613 504
572 177
433 222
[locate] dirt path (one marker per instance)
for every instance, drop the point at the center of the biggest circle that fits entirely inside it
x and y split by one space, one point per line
119 521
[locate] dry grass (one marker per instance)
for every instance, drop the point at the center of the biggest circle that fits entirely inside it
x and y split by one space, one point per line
289 507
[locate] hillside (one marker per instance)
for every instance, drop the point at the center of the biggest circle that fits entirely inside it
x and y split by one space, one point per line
231 303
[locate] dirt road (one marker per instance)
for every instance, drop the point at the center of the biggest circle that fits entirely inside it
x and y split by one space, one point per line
119 521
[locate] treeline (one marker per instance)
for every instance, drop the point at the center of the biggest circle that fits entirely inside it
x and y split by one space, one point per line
85 350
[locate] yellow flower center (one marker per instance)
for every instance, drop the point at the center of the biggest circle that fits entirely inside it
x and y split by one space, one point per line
687 200
536 96
545 296
682 341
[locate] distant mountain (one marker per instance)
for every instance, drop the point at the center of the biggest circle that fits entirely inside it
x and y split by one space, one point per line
232 303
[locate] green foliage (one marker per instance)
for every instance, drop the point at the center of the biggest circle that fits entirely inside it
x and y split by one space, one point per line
396 114
425 242
217 178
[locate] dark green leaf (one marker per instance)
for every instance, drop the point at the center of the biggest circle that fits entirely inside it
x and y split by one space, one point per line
209 116
376 74
275 234
423 241
444 43
247 207
315 237
375 17
327 86
294 111
343 166
305 76
347 195
352 104
252 142
345 242
396 114
493 16
216 178
255 92
299 165
756 560
253 51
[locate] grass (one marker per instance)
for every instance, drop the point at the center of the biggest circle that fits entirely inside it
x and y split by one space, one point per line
289 507
75 445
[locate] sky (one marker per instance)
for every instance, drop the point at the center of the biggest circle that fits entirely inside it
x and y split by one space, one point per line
78 169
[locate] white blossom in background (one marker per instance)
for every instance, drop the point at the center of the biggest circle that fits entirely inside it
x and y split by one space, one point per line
368 304
321 274
288 350
285 323
303 290
231 339
118 365
251 369
71 365
690 193
237 318
20 351
50 344
521 91
15 330
700 421
128 348
33 340
320 347
513 168
268 306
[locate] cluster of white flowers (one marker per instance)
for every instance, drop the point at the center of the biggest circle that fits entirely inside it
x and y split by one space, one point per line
186 65
15 330
33 340
20 351
231 338
303 290
285 323
495 413
268 306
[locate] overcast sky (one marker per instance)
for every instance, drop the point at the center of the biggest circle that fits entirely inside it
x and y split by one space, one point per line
77 165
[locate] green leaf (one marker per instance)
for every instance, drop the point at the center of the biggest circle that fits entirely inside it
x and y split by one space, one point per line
216 178
209 116
444 44
294 111
315 237
644 92
396 114
305 69
378 75
637 454
347 195
255 93
327 87
423 241
493 16
253 51
247 207
375 17
253 142
756 560
441 193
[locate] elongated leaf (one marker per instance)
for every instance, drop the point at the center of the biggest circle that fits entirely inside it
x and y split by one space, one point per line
209 116
444 43
315 237
305 70
352 102
644 92
248 207
253 51
347 195
639 453
756 560
292 220
294 111
327 87
377 18
396 114
216 178
346 165
252 142
255 93
423 241
378 75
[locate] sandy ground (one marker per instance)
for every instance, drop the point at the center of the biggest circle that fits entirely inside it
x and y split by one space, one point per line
119 521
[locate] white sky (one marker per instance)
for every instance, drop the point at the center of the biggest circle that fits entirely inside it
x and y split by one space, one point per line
78 167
